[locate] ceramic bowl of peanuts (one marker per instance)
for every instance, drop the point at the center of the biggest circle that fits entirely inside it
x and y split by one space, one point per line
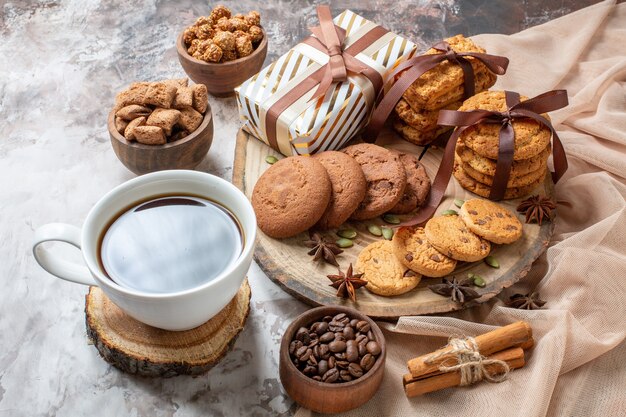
161 125
223 49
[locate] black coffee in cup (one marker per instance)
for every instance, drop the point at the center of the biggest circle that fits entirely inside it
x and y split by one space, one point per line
170 244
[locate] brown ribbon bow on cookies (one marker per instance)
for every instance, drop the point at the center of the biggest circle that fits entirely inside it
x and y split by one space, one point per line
328 39
516 109
413 68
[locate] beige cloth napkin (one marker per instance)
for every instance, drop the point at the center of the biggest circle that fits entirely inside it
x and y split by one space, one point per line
578 367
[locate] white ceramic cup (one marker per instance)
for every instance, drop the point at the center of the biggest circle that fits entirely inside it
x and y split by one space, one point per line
171 311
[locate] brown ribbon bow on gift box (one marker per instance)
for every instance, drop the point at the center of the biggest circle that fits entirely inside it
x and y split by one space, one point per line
516 109
328 39
413 68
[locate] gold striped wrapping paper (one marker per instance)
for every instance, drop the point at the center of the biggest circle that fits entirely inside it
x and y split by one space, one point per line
327 123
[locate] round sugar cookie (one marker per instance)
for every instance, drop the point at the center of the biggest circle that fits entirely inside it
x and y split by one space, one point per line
491 221
291 196
416 253
348 188
488 166
520 181
385 176
417 185
451 236
382 270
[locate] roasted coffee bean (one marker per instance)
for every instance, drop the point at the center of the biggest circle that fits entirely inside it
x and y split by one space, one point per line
362 347
327 319
294 345
340 316
327 337
332 362
348 333
301 351
320 328
345 375
337 346
335 328
339 336
313 336
373 348
353 322
305 356
361 338
310 371
303 335
322 367
363 326
352 351
324 351
370 335
343 364
340 356
316 351
314 343
331 375
317 378
367 362
312 360
355 370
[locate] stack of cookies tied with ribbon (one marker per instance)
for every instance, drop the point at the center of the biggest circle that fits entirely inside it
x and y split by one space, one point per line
318 95
417 89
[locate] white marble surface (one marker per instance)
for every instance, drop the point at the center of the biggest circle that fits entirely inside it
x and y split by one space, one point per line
60 66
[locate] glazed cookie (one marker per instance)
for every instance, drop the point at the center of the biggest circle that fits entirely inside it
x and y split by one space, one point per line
417 254
414 135
531 138
450 236
444 84
491 221
385 176
383 271
483 190
417 185
291 196
488 166
348 187
519 181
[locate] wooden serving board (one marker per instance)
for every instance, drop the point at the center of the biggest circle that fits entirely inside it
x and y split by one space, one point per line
286 261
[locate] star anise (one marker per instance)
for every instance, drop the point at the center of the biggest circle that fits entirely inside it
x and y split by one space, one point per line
536 208
530 301
347 283
459 291
322 248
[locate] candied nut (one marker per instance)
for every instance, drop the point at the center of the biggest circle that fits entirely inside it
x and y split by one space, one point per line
205 32
120 125
149 135
204 20
164 118
220 11
255 33
189 119
129 132
193 48
183 98
133 111
238 16
225 40
189 35
198 55
239 34
253 18
213 54
132 95
200 98
204 45
160 95
238 24
224 24
229 55
244 46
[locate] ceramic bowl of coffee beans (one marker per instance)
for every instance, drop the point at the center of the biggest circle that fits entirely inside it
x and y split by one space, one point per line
332 359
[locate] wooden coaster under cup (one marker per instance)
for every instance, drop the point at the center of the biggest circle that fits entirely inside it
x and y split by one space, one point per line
140 349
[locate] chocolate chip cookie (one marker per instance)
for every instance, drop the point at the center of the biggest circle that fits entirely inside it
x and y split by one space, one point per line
291 196
451 236
385 176
416 253
383 271
491 221
348 187
417 184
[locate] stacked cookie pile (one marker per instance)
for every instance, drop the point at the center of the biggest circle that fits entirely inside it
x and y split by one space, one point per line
395 267
323 191
477 150
155 113
440 88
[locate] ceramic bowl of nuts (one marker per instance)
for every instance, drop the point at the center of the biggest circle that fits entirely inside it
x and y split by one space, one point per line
222 50
161 125
332 359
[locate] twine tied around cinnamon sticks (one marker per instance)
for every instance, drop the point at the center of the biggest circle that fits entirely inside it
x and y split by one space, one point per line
472 366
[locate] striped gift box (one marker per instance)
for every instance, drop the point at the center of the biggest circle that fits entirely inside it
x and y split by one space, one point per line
328 122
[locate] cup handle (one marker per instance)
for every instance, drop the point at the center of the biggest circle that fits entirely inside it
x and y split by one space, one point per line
60 268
